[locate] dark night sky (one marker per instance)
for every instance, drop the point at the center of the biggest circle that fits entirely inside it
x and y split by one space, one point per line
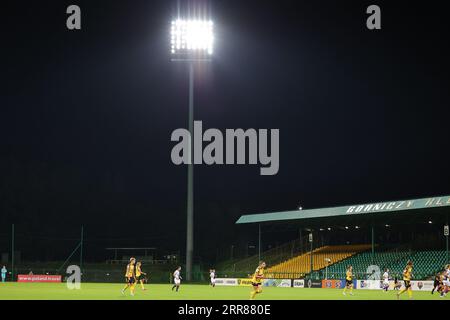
86 116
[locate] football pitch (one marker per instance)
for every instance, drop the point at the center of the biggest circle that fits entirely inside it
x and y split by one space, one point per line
107 291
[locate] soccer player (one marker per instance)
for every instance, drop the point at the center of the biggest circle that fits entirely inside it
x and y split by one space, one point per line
445 281
386 280
407 275
257 279
140 276
4 271
437 283
397 284
348 281
177 279
130 276
212 277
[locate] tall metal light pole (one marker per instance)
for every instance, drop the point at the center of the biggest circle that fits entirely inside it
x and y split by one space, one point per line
327 260
81 249
259 242
373 244
446 234
311 252
190 186
191 42
12 252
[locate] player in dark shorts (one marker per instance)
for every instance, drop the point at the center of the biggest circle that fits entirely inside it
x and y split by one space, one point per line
407 276
437 283
348 281
130 276
397 284
257 279
141 276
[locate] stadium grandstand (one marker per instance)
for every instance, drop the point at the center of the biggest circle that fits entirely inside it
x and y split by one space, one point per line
382 235
322 243
300 265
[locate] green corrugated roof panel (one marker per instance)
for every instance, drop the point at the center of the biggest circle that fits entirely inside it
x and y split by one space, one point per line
370 208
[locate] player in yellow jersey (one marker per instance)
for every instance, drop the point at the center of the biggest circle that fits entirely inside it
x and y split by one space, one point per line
130 276
140 276
407 275
257 279
348 281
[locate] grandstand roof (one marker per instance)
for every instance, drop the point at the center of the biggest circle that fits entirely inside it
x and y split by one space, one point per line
349 210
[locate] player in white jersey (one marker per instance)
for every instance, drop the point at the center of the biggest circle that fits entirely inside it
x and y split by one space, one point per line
386 280
177 279
446 281
212 277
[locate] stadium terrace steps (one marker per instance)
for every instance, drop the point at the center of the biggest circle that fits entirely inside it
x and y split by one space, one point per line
272 257
426 263
300 265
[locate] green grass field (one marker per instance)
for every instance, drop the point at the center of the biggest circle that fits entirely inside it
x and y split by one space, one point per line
105 291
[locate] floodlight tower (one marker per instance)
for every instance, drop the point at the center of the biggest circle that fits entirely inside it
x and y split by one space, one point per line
191 42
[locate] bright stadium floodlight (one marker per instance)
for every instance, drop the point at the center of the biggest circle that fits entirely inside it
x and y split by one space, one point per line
192 38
